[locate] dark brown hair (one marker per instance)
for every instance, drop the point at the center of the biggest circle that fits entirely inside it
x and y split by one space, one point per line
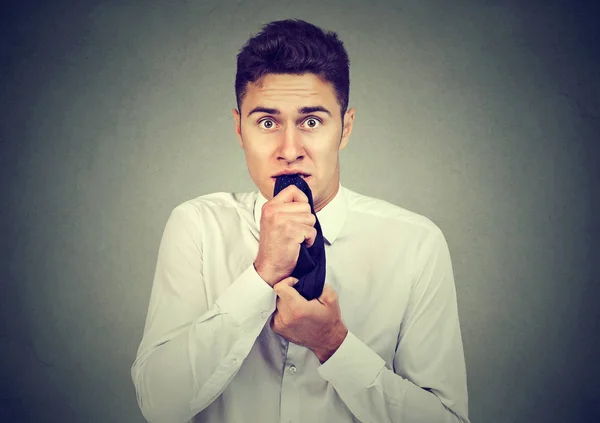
297 47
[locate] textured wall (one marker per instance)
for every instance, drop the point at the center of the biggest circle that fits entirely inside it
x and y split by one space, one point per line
483 116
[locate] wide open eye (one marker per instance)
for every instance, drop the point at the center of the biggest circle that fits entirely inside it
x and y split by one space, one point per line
312 122
266 124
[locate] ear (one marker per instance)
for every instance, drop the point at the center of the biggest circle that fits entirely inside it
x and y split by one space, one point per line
238 127
347 129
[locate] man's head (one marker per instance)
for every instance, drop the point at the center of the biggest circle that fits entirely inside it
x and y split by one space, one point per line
292 86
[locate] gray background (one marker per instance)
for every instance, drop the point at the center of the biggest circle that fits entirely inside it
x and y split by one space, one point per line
483 116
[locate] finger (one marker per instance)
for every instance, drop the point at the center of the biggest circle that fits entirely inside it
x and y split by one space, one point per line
303 218
286 282
328 296
291 208
286 292
290 194
310 237
289 281
304 233
297 212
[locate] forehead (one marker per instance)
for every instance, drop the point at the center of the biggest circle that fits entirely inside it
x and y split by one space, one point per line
285 91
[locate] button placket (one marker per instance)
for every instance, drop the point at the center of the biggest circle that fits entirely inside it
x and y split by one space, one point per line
290 408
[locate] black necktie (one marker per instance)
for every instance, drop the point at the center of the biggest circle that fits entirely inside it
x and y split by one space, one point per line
310 268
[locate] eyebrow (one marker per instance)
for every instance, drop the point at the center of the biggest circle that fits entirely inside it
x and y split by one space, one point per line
302 110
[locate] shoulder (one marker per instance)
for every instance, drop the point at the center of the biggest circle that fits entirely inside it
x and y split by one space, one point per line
375 212
217 205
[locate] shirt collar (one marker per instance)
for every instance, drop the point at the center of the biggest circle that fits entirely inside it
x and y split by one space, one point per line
331 217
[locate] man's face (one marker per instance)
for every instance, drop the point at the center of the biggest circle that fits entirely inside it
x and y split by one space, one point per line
293 122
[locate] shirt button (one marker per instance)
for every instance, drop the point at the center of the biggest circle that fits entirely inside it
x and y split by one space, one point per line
234 362
264 314
292 369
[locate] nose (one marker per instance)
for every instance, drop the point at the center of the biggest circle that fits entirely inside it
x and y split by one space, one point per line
290 145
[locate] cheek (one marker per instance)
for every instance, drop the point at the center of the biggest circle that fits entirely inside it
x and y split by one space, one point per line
255 146
257 159
325 153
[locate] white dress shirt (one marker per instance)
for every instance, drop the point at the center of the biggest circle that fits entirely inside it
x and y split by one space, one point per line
208 353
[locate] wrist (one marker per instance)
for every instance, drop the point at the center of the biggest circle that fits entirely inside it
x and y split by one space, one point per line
264 274
336 340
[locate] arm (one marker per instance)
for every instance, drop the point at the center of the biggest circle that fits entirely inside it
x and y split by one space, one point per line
429 382
190 349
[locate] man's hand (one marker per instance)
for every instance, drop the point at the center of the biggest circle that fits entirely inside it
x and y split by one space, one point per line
286 222
315 324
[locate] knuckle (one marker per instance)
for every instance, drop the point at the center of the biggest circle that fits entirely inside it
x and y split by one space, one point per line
268 212
296 314
283 321
275 216
302 194
288 225
278 219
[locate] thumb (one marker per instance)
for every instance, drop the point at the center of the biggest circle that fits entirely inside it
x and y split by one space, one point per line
328 296
284 283
283 288
289 281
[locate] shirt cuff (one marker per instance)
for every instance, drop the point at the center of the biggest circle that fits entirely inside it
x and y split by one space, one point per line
248 298
353 366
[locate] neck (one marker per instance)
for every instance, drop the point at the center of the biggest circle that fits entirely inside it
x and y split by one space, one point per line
321 204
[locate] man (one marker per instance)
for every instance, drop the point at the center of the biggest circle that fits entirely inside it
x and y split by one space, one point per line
229 339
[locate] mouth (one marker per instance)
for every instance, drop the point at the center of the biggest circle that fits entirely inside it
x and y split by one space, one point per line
305 177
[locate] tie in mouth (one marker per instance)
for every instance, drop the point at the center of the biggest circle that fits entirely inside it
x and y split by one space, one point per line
302 175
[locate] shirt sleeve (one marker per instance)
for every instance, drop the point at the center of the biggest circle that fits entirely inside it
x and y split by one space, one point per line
428 382
191 350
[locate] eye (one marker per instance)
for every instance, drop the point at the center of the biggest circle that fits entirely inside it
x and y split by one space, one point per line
266 124
312 122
